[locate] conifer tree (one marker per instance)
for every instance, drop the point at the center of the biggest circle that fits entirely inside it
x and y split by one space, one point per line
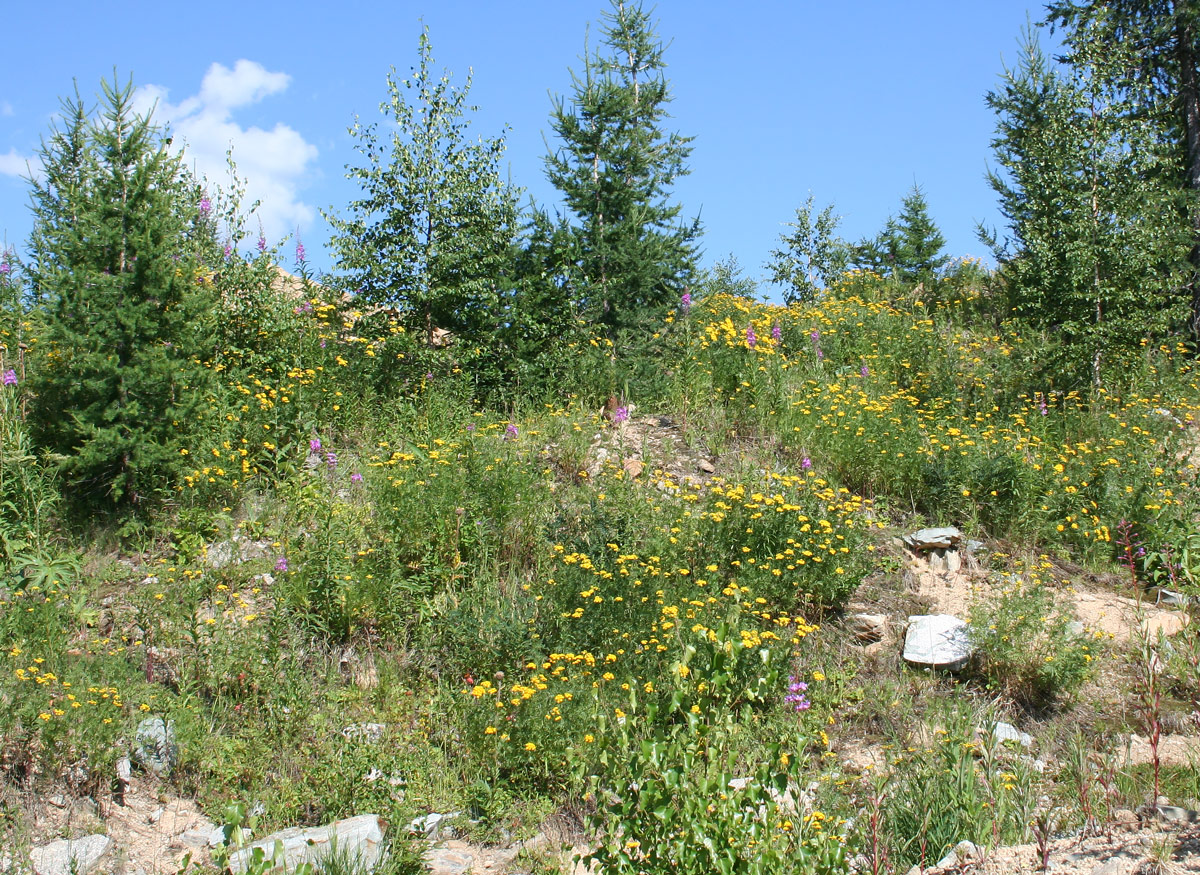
1094 241
910 247
113 267
433 232
615 167
1153 68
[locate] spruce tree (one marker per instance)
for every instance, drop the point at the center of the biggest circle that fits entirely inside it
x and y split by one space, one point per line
615 167
433 232
910 247
113 269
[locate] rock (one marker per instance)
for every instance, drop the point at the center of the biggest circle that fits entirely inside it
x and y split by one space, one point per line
1112 867
220 554
963 854
431 824
634 467
706 466
1175 814
236 549
953 561
155 746
58 801
1170 597
1168 622
1123 818
868 628
1007 732
370 733
124 772
70 856
359 838
926 540
937 641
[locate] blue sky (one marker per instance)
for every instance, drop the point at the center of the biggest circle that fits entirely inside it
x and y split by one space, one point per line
853 102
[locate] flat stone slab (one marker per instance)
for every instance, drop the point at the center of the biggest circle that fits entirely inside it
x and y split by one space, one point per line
70 856
933 539
360 839
937 641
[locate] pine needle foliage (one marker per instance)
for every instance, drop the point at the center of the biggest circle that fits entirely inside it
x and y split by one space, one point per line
615 167
116 227
1096 240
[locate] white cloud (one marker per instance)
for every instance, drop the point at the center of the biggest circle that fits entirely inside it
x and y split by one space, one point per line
6 108
15 164
273 162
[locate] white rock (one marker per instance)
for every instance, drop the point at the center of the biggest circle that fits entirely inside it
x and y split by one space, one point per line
963 854
937 641
70 856
1008 732
932 539
359 838
367 732
154 745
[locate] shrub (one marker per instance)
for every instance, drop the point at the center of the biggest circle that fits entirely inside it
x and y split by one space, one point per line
1025 647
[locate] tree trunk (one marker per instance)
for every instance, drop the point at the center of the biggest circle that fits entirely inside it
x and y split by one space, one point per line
1189 99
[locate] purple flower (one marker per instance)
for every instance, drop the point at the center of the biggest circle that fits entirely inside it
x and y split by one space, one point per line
751 337
314 444
686 301
816 336
10 377
262 243
865 371
281 565
5 267
331 459
299 251
806 463
205 207
356 477
228 251
777 332
511 432
795 696
470 426
621 414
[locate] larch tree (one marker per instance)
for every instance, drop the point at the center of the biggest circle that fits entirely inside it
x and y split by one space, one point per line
1156 44
1094 241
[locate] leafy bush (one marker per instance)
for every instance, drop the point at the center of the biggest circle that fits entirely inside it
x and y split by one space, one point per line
665 778
1025 646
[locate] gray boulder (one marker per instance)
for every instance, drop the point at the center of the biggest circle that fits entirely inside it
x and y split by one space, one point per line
925 540
358 839
155 746
937 641
70 856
